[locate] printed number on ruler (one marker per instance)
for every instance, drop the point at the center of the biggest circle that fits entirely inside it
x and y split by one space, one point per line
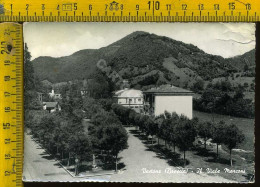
11 104
130 10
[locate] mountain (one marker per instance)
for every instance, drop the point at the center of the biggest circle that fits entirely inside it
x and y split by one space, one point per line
145 60
240 61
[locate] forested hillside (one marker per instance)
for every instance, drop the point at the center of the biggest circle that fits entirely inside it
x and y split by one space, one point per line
146 60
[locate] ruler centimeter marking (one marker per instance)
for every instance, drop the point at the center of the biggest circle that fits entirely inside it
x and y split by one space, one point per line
11 104
130 10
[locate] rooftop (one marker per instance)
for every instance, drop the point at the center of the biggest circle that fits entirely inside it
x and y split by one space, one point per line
169 89
129 93
50 104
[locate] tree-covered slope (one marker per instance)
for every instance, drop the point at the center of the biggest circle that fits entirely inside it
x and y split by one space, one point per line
135 56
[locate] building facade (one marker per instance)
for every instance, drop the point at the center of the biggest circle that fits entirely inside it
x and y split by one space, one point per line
54 95
169 98
86 90
51 106
39 96
130 98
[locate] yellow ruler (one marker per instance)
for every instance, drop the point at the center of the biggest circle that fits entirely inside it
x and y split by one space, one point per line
11 104
130 10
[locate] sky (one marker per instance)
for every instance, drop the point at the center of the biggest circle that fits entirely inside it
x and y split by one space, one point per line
63 39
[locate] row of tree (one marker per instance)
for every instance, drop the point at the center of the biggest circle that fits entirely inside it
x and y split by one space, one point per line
223 86
61 136
64 134
180 131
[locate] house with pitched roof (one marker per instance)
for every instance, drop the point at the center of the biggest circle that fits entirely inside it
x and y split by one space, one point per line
54 95
130 98
169 98
51 106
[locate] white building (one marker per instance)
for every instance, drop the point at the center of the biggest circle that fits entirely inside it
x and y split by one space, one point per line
169 98
54 95
39 95
51 106
130 98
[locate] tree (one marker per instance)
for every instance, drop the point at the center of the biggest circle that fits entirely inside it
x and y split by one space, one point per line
141 122
64 139
91 107
218 133
113 138
221 104
205 131
122 112
173 132
106 103
151 127
104 118
45 130
28 70
31 101
215 100
81 148
107 133
232 137
165 130
132 115
100 86
226 86
186 134
198 85
246 67
159 120
30 94
209 98
210 85
137 120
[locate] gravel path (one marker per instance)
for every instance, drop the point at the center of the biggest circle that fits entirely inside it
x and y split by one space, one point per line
138 160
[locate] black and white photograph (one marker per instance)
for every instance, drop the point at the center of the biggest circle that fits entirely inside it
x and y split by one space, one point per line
139 102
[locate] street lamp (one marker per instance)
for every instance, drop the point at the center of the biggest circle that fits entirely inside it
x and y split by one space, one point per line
94 162
76 166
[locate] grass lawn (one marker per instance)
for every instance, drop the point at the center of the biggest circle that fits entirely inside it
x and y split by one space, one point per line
243 160
244 124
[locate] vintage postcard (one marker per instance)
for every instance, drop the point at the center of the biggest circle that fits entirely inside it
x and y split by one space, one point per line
139 102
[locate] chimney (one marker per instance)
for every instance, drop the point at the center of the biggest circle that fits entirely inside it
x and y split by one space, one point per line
125 84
